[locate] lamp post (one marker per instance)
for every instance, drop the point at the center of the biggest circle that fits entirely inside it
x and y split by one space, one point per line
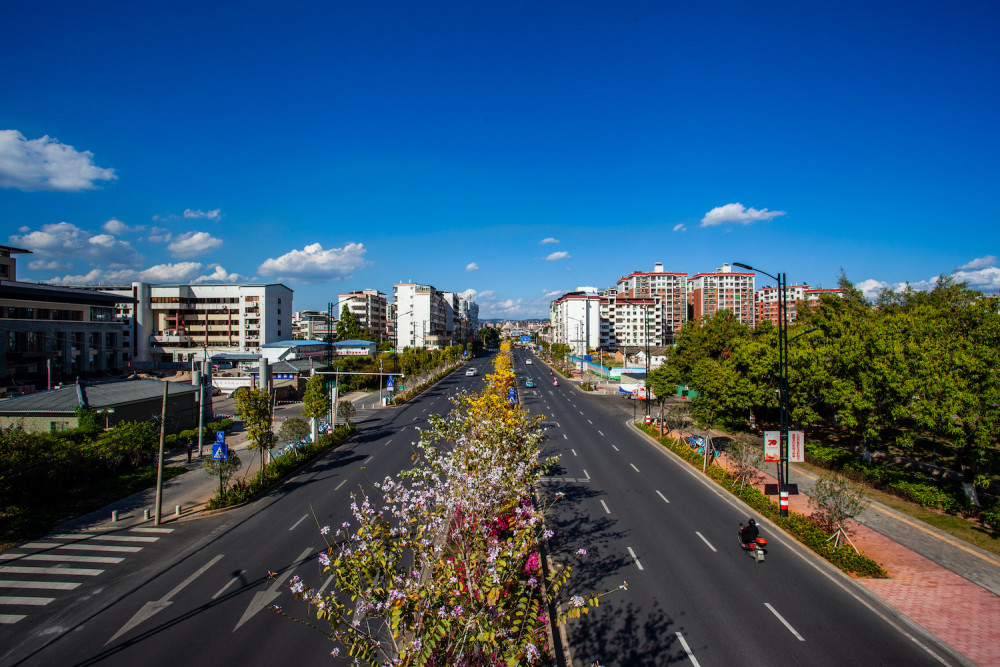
781 279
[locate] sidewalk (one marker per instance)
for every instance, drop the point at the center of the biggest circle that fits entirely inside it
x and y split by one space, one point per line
958 604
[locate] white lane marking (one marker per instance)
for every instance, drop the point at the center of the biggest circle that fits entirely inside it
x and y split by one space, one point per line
45 585
40 545
565 437
368 460
784 622
663 496
574 451
605 506
296 524
236 577
615 448
704 540
151 608
387 442
325 584
10 619
63 571
26 601
151 530
62 559
635 558
342 482
581 412
599 433
586 474
108 538
687 649
116 548
263 598
633 467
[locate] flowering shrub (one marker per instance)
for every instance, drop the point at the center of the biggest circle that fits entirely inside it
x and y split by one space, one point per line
445 570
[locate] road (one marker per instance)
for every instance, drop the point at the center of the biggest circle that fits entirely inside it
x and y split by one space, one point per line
692 595
200 593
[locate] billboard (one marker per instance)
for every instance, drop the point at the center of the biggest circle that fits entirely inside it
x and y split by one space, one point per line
525 339
796 446
772 446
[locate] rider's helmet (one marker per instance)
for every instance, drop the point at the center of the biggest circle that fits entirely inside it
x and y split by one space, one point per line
752 522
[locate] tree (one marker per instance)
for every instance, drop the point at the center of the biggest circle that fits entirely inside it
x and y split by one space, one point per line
349 328
746 459
837 499
315 402
294 430
254 407
346 410
224 470
127 445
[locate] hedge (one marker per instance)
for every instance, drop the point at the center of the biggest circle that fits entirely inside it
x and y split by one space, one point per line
800 526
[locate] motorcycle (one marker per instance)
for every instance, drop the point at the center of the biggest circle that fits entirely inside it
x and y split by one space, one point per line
555 383
755 549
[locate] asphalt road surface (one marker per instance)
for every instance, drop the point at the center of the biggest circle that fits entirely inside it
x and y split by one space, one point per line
198 592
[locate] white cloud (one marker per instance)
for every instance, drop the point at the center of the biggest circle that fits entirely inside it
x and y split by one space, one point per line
313 264
548 240
736 214
116 226
181 272
986 279
159 235
49 265
220 275
871 287
214 214
553 294
192 244
471 266
504 308
560 254
979 263
67 242
679 227
46 164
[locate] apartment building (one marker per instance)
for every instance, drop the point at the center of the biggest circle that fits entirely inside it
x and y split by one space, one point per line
768 299
421 319
724 289
575 319
167 323
663 297
56 334
312 325
370 307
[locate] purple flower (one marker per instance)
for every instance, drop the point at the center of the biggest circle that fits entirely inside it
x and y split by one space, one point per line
324 560
581 552
324 530
576 601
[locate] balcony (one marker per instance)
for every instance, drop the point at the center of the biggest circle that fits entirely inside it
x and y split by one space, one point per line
170 338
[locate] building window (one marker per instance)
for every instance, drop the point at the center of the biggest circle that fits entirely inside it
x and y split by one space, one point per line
56 427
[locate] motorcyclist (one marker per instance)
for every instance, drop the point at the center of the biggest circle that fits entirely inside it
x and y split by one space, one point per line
749 533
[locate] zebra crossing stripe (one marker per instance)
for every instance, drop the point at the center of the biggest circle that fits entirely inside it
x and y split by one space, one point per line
82 546
151 530
109 538
62 571
25 601
60 558
8 619
44 585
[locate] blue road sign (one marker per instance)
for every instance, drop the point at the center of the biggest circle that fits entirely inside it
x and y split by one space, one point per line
525 339
388 383
220 452
220 437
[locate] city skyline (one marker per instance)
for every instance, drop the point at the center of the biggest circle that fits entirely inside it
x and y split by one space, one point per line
511 154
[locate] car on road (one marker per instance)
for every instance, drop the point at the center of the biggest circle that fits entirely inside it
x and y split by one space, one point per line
471 371
529 383
527 361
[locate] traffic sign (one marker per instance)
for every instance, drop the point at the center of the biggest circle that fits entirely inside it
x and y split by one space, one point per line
220 437
220 452
388 383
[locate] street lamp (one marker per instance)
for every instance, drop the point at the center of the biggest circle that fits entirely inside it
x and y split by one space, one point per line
782 281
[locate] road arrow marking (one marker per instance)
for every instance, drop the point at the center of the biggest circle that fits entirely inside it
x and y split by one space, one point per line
151 608
262 599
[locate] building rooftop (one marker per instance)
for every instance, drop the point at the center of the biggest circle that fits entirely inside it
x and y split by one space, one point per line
294 343
67 398
353 343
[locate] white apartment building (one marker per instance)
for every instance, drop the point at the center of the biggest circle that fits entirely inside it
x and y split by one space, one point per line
370 307
662 298
421 316
575 318
725 289
312 325
176 322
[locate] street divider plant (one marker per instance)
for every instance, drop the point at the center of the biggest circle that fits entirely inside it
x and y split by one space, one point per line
442 565
803 528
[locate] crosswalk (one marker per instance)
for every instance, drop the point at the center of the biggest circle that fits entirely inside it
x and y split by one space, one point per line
33 574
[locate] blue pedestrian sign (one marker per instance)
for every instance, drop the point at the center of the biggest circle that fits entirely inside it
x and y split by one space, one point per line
388 383
220 437
512 396
220 452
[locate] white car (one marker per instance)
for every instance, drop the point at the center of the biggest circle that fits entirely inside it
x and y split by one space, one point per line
471 371
528 362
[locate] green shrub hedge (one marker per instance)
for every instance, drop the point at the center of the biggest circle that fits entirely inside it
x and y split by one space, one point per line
799 525
280 468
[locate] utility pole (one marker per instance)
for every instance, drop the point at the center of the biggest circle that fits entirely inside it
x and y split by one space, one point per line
159 467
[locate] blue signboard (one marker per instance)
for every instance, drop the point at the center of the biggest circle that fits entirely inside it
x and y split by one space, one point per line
388 383
220 437
220 452
525 339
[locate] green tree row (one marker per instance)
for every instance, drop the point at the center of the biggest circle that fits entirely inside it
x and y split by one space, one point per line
910 365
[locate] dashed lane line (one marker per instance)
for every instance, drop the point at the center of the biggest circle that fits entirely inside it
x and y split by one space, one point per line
703 539
635 558
615 448
784 622
586 474
296 524
633 467
605 506
663 497
342 482
687 650
599 433
565 437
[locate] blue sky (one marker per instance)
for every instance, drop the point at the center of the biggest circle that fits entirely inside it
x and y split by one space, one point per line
513 151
